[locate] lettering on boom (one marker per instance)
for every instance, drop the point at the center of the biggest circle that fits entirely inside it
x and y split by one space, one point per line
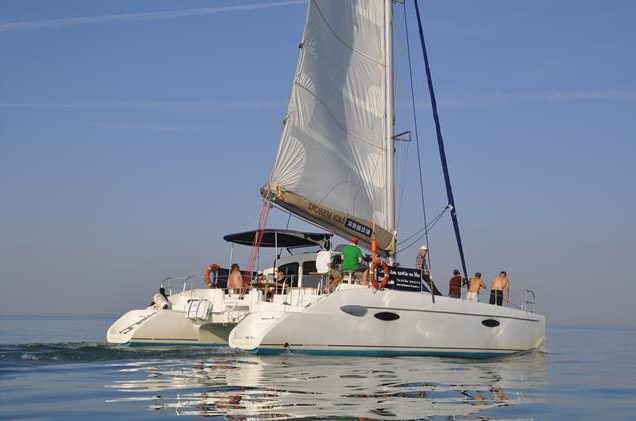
320 211
326 214
338 219
358 227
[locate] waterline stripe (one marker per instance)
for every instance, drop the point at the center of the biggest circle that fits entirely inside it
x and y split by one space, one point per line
394 347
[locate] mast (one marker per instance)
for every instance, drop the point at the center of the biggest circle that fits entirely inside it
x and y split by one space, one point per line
388 41
440 143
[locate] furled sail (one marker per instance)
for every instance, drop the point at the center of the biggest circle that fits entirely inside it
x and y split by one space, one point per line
334 162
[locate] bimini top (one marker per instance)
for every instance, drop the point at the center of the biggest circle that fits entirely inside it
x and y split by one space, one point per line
281 238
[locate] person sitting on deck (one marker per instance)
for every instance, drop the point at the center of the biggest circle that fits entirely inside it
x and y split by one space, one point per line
335 277
235 280
324 266
260 281
352 260
284 281
160 300
323 260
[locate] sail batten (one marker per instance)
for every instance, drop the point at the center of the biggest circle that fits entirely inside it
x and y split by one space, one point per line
334 150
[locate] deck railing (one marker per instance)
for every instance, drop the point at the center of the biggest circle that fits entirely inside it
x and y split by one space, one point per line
529 301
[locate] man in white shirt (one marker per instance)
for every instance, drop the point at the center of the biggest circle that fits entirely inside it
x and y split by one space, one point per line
323 266
323 260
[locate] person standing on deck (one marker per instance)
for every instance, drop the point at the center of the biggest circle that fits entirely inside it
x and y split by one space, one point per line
455 285
420 263
474 285
500 285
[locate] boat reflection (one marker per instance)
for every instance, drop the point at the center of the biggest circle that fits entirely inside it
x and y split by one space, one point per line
292 386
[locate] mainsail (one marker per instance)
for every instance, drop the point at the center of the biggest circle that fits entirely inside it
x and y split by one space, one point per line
334 161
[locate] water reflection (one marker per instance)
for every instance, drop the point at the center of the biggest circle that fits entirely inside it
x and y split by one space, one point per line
245 387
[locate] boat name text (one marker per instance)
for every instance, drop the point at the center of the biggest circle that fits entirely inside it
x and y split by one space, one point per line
338 219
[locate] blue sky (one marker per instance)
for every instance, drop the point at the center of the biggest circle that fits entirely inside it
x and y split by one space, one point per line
134 135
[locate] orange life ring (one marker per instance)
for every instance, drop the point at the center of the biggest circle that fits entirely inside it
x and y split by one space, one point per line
208 271
385 279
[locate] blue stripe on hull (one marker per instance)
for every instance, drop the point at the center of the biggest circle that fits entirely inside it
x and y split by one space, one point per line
385 353
197 344
325 352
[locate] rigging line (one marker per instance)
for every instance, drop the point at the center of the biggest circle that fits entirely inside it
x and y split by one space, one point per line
417 135
428 228
404 151
258 238
440 141
425 227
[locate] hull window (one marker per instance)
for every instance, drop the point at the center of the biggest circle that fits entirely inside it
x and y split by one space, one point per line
357 311
386 316
490 323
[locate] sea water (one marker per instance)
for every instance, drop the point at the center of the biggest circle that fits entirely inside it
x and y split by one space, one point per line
60 368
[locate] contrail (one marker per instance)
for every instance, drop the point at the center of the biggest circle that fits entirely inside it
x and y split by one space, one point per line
186 106
137 17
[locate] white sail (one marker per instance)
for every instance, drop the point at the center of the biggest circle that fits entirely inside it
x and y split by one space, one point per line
334 160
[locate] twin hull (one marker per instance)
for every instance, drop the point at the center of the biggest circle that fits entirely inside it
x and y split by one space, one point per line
353 319
361 320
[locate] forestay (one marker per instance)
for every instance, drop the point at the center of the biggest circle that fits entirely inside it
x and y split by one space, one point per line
334 162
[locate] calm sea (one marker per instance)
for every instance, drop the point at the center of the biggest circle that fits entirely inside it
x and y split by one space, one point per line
60 368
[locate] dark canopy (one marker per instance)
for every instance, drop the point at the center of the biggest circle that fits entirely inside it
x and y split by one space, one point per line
282 238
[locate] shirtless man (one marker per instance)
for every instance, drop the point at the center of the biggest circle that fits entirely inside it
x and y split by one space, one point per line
234 279
499 285
474 286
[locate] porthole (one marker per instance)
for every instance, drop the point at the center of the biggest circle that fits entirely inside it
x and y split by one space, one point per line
490 323
386 316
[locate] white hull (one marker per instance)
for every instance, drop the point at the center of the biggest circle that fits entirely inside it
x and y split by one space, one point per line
165 327
217 314
448 326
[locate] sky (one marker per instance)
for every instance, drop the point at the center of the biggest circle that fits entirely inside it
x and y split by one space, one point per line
135 134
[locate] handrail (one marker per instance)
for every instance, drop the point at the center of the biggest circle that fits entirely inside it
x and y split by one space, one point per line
195 277
168 282
529 300
185 282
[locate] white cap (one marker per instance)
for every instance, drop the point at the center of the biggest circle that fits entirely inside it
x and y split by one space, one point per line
424 247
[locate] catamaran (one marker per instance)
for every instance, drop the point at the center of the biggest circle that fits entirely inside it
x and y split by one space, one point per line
335 169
